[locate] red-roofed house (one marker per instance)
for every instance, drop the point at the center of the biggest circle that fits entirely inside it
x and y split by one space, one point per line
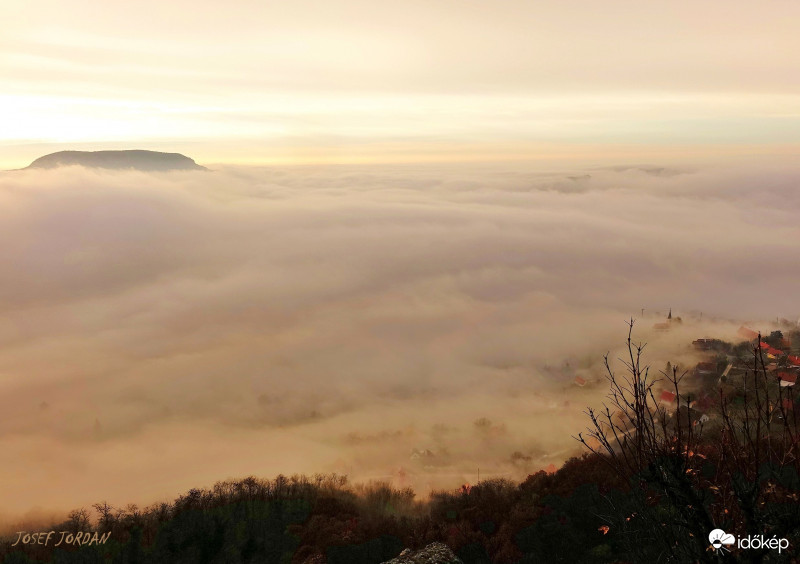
787 379
770 349
794 360
667 396
703 344
748 334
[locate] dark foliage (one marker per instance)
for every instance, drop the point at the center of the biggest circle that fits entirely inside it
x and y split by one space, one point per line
300 520
735 471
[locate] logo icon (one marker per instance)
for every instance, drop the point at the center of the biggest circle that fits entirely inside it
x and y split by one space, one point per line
718 538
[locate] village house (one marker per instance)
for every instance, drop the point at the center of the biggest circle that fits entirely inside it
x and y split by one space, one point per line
705 369
748 334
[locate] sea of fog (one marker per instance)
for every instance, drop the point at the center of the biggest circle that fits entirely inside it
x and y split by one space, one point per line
417 324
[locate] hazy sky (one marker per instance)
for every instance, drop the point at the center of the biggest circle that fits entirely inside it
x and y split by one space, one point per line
255 81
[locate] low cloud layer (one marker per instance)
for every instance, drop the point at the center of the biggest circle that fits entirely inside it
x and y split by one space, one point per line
161 332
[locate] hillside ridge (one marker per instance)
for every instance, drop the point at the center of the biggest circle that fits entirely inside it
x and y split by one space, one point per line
136 159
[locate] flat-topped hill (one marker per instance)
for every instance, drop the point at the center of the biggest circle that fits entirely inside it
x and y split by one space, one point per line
130 159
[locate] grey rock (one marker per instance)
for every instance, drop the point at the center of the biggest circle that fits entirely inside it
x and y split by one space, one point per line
434 553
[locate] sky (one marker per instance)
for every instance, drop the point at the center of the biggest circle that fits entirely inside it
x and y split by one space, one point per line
357 81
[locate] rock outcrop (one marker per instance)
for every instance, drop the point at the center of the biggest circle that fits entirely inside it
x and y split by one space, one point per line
121 160
435 553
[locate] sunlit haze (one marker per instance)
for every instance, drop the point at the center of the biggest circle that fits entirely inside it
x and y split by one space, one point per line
297 82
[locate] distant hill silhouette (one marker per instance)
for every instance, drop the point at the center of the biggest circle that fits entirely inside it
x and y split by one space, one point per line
120 160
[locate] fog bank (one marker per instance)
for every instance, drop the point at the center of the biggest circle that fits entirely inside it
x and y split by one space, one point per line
164 331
